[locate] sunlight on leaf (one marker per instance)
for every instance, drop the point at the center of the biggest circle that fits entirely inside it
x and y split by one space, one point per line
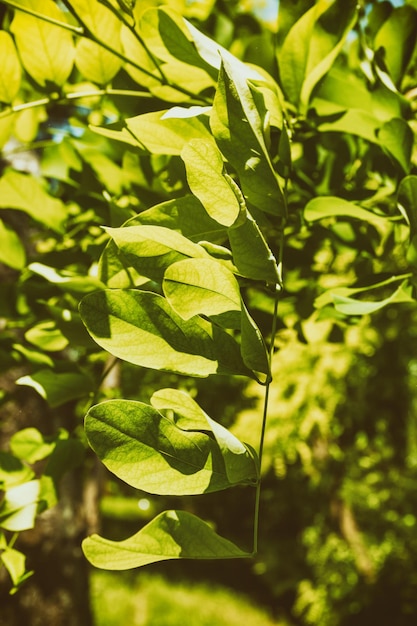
171 535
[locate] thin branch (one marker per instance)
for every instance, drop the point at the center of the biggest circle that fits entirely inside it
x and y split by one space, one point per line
76 95
77 30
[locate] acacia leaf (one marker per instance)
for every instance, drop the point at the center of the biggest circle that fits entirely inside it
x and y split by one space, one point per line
311 47
170 535
237 125
47 51
202 286
152 452
205 175
165 135
323 207
10 68
143 329
20 191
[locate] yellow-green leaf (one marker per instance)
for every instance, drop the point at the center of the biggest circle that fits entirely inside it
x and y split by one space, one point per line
47 51
10 68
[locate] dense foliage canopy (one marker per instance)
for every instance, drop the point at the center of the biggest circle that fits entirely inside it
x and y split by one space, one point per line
208 282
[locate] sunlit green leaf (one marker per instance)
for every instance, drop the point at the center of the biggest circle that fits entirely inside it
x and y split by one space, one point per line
10 68
329 206
95 63
189 416
169 39
203 286
397 37
205 175
311 47
20 191
12 471
142 328
30 445
251 253
342 298
72 282
58 387
186 215
238 128
396 138
151 249
47 51
151 452
15 563
12 250
407 201
134 49
171 535
164 135
349 306
19 505
253 348
46 336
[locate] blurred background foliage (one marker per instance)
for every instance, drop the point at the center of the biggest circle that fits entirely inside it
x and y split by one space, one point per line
338 540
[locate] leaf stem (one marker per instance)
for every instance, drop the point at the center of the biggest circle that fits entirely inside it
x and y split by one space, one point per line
19 7
91 93
278 290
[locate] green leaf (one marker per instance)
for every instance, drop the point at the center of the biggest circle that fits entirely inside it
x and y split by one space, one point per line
47 51
10 69
349 306
95 63
171 535
188 415
57 388
311 47
344 91
20 191
186 215
134 49
324 207
30 446
143 329
203 286
397 138
168 38
15 563
148 240
205 176
407 201
12 250
151 249
12 471
149 451
71 282
397 36
99 20
238 128
251 253
46 336
166 135
341 297
253 348
19 505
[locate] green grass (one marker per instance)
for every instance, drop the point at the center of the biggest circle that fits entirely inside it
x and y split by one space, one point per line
149 600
